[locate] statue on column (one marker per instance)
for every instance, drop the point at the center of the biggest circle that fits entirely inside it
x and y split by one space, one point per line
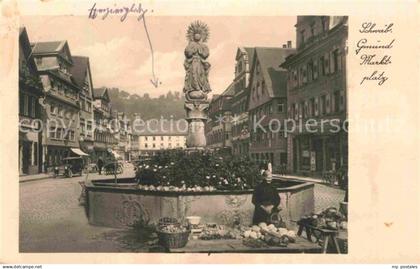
196 86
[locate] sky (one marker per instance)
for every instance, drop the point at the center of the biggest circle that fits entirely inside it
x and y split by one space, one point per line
120 54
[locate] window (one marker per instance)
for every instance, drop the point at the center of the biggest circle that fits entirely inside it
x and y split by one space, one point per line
145 145
323 105
169 137
161 138
336 61
280 108
38 61
154 146
315 70
301 110
58 133
25 105
312 107
270 109
30 106
322 64
154 139
21 103
336 101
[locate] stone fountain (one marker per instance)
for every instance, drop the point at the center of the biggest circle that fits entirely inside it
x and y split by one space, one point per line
121 205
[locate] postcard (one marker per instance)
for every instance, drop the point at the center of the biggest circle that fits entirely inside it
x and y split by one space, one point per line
209 132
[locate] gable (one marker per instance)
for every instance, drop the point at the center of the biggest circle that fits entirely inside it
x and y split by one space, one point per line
65 52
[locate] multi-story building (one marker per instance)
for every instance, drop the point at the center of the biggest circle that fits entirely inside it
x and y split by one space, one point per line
240 101
158 135
267 106
105 139
61 133
30 120
83 78
218 127
317 92
122 135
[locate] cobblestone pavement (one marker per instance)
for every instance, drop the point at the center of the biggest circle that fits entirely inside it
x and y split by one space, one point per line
51 219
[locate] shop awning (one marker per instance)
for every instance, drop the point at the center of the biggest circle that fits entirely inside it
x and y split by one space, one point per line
79 152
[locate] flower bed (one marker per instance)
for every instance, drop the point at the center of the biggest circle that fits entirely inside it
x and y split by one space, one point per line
198 170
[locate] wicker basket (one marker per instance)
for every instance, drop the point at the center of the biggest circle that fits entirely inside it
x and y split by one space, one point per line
173 240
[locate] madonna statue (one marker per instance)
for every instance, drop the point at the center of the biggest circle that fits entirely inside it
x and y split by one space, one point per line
197 68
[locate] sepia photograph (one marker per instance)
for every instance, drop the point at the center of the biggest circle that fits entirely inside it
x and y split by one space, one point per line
183 134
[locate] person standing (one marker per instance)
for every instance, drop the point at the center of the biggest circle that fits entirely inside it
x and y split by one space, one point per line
100 164
265 199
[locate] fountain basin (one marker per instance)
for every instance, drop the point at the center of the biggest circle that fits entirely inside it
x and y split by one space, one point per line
121 205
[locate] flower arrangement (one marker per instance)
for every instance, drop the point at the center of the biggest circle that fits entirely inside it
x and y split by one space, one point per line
179 170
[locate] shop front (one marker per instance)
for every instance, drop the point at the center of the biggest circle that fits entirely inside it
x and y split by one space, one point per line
29 153
314 155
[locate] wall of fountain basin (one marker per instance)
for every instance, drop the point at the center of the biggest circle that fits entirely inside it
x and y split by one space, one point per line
121 205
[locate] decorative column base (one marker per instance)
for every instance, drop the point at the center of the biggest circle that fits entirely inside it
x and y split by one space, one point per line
196 118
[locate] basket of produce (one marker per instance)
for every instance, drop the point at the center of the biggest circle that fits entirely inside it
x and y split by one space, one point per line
173 235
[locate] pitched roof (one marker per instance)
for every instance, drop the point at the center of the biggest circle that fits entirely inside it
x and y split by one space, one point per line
79 69
250 52
25 45
275 76
230 90
47 47
60 48
100 93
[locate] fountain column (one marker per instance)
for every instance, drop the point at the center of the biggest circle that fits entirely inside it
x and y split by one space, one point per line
196 85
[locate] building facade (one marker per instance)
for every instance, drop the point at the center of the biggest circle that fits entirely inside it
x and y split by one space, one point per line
159 135
218 127
105 140
123 134
267 106
317 92
83 78
61 133
240 102
30 119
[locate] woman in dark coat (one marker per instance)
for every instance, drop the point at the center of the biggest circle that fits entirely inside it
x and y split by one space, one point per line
266 200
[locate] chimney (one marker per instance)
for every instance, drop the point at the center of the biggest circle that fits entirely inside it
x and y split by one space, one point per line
284 46
289 44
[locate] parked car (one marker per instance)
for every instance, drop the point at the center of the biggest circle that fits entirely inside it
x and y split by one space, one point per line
73 165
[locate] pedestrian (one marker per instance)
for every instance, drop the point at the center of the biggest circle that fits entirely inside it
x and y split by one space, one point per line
265 199
100 164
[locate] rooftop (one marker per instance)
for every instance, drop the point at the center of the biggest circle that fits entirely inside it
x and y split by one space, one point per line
79 69
47 47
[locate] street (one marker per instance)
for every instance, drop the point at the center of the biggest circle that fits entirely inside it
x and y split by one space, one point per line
51 219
